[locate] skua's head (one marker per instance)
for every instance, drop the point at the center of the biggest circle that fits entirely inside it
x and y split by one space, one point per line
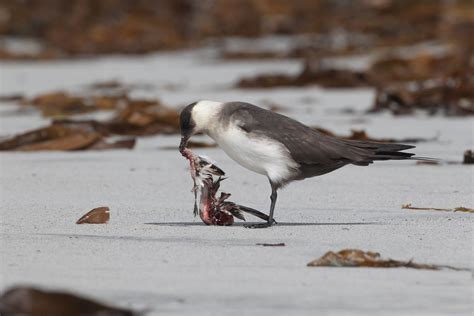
195 118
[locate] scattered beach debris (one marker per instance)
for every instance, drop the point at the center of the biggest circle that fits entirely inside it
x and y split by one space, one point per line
360 258
468 157
63 138
436 162
432 162
140 119
435 84
307 46
143 118
133 117
383 71
281 244
450 97
24 300
393 68
108 84
245 54
61 103
313 73
100 96
213 210
12 97
62 32
456 209
98 215
116 87
65 104
44 54
50 138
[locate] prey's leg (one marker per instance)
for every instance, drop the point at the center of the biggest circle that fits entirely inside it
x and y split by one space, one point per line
270 221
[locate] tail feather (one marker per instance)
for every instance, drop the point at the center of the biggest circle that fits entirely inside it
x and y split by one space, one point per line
378 146
388 155
383 151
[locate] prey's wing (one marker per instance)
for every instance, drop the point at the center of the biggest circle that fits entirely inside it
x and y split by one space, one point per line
305 145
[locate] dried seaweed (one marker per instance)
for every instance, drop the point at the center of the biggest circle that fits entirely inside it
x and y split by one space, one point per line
63 138
451 97
387 70
116 27
434 84
106 85
100 96
395 69
134 117
281 244
311 74
22 300
244 55
468 157
35 136
456 209
74 141
53 137
12 97
430 162
98 215
62 103
320 46
368 259
116 87
132 121
141 118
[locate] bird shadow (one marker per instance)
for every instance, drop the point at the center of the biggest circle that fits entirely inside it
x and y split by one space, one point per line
283 224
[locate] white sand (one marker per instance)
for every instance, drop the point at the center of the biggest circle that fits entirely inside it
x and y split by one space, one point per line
155 255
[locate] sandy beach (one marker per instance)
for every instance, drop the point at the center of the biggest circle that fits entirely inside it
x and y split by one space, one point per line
155 255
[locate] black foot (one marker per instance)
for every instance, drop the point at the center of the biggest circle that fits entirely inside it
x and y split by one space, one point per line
260 225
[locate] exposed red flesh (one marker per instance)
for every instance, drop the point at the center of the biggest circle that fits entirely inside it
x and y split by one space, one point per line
209 206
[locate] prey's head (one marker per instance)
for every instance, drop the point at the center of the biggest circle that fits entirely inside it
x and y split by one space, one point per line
195 118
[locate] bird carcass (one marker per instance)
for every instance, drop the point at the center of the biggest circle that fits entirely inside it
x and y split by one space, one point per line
213 209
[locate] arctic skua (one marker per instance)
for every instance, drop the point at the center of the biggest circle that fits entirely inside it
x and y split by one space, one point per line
276 146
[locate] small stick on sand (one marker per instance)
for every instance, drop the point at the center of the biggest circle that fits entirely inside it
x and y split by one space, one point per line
457 209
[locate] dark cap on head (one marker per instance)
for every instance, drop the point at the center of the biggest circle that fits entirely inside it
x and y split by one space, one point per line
186 124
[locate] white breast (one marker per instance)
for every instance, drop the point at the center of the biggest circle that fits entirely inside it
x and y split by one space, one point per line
261 155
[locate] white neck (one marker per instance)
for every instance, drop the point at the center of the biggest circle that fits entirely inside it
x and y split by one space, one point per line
204 113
